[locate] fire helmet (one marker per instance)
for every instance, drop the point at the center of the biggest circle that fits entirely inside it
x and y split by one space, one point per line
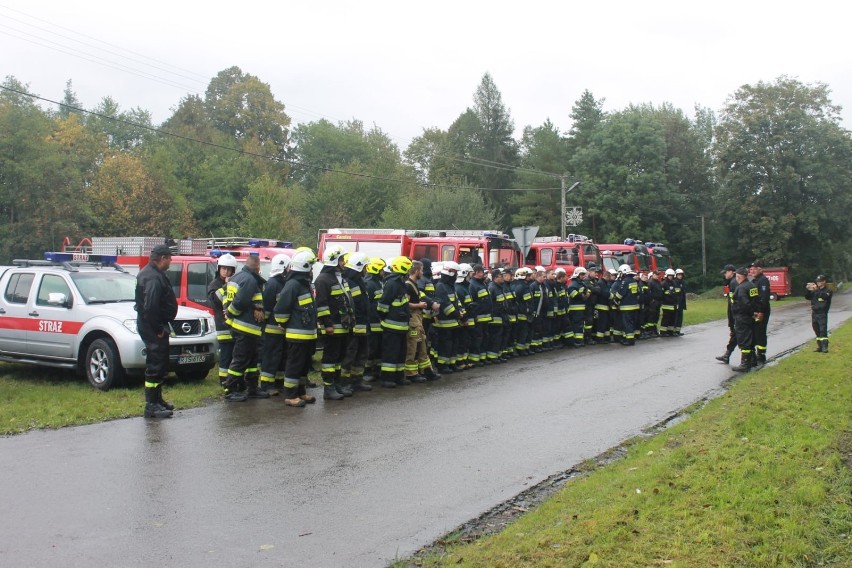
279 264
303 260
227 260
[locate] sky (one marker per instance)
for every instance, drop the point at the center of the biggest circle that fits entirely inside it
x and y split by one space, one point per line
405 66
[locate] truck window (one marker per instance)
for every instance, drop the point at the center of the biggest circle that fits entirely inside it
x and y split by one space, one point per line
199 275
174 273
546 256
448 252
591 254
470 255
564 256
18 288
50 283
531 256
425 251
501 257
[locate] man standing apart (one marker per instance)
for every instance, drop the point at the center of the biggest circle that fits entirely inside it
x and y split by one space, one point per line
761 313
743 308
731 286
820 297
156 308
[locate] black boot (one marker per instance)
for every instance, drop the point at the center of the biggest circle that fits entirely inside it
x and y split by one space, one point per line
759 358
153 408
746 363
342 385
824 346
430 374
358 384
725 357
291 397
163 403
252 391
330 393
271 388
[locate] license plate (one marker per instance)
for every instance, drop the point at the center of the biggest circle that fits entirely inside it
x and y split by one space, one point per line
190 359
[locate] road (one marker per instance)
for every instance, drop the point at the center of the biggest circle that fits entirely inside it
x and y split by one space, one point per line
352 483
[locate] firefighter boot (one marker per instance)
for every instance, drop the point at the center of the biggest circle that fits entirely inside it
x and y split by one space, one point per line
270 388
725 357
252 391
330 393
303 394
358 384
291 397
163 403
341 384
759 357
153 409
431 374
824 346
746 363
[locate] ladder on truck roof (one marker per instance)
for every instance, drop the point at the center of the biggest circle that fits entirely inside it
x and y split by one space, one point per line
419 232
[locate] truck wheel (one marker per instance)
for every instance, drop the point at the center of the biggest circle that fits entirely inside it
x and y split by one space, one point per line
193 373
103 364
773 296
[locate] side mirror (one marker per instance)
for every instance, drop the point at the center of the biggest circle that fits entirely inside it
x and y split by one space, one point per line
59 299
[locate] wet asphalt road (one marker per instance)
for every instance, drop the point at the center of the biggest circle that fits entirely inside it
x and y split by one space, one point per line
352 483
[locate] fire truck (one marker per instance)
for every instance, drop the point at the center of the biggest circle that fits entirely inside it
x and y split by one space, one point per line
193 264
631 252
489 248
553 252
661 258
779 282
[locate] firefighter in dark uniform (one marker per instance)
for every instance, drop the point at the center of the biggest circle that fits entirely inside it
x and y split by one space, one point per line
680 285
653 301
563 334
334 311
395 313
225 268
731 286
498 315
744 308
358 344
156 308
373 284
820 296
480 311
591 302
628 297
446 320
577 295
511 319
551 338
272 346
669 304
244 306
296 312
523 299
602 311
466 359
540 306
761 315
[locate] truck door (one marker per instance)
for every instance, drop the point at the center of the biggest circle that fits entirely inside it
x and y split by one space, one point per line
55 329
199 275
14 313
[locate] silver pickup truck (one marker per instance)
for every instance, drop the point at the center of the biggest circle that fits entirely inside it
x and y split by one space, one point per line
80 316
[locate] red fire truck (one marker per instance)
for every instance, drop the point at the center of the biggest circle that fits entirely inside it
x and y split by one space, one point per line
553 252
779 282
489 248
631 252
661 258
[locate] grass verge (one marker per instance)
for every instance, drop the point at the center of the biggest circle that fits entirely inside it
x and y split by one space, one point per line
761 476
702 310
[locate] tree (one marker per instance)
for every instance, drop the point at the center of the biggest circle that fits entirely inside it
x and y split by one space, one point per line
785 170
269 210
460 208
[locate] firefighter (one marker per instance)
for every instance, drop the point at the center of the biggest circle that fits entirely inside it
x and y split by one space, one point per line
550 320
523 300
761 314
563 334
373 284
615 280
498 315
680 287
731 285
820 296
591 301
447 317
226 266
426 284
480 312
358 342
628 297
511 319
418 367
466 359
156 307
295 311
669 304
395 314
577 294
653 301
334 311
244 306
273 346
602 309
745 304
540 306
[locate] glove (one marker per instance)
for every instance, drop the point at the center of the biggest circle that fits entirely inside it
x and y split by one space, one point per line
259 315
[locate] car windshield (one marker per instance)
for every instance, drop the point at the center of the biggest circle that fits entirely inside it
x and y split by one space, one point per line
103 287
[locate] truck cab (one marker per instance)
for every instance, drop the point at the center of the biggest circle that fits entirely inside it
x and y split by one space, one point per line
573 252
630 252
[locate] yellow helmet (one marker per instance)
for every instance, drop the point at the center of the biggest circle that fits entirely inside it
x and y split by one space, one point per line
400 264
375 265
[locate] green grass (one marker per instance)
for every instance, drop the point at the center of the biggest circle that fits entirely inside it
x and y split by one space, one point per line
758 477
705 309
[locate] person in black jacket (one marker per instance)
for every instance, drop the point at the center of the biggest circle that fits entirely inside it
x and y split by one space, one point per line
820 297
225 268
156 308
273 347
358 342
761 315
395 313
244 306
744 309
480 312
731 286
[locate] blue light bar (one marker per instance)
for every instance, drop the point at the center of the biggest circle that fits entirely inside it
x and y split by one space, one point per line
79 257
629 242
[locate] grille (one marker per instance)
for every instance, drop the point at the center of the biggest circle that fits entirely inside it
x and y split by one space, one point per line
184 328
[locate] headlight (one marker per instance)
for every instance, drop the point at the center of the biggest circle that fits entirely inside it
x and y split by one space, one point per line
209 326
131 325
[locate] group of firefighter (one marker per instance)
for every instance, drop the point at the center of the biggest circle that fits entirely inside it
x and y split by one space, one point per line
396 322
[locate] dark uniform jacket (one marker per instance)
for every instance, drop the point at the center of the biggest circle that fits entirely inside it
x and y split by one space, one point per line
820 300
360 301
295 310
540 299
480 309
373 286
216 297
523 298
465 300
333 299
243 294
449 311
271 290
577 293
745 300
156 304
498 303
763 292
629 294
393 305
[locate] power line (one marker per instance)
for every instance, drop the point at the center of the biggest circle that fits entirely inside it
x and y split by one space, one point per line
264 156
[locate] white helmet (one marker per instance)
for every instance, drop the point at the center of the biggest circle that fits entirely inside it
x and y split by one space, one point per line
679 271
624 269
465 270
670 272
559 271
228 260
521 272
540 269
279 264
611 272
302 261
331 256
450 268
357 261
579 271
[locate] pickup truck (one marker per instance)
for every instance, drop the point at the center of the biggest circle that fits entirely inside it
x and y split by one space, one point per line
80 316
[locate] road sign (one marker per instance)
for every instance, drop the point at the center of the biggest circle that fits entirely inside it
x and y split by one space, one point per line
524 236
574 216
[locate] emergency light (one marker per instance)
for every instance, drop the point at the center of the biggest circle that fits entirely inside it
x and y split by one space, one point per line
80 257
629 242
269 243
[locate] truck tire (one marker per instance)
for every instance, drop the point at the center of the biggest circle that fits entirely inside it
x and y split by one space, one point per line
773 296
103 364
193 373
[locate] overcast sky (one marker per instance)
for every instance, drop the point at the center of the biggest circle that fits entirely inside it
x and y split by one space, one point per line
405 66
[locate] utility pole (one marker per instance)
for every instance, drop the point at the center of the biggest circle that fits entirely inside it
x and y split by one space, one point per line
703 248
